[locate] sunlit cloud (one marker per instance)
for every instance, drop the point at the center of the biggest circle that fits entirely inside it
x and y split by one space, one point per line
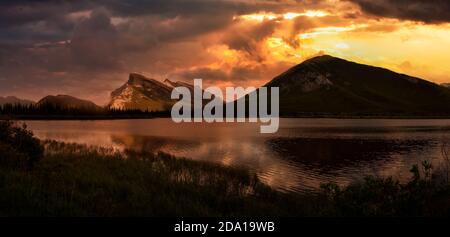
330 30
309 13
258 16
87 49
262 16
342 46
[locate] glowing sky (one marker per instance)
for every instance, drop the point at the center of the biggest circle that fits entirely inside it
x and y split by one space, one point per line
87 48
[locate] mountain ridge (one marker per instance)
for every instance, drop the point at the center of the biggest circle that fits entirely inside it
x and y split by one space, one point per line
330 85
14 101
142 93
323 85
67 101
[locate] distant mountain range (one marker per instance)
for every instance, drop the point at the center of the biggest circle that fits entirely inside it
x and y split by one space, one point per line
329 85
14 100
138 93
66 101
323 85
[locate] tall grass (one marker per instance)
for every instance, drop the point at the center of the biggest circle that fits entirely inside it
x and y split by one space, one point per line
79 180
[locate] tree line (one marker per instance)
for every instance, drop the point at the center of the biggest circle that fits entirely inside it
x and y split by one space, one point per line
48 109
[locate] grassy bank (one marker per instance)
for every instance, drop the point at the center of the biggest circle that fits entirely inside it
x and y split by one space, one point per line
75 180
47 178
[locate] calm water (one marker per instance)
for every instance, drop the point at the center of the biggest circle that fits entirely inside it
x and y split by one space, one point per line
302 155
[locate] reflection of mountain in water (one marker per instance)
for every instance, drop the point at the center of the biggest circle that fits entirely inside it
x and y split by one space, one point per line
344 160
151 144
342 152
301 156
231 152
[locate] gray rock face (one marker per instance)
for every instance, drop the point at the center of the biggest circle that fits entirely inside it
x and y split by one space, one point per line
145 94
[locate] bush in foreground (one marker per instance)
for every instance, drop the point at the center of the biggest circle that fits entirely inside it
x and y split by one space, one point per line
18 147
423 195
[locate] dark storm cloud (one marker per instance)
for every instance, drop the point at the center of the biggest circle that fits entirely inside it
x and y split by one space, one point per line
13 13
203 73
95 43
428 11
19 17
171 8
28 24
16 13
237 73
59 46
249 38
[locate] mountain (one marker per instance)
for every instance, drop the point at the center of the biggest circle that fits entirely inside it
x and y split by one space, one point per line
323 85
330 85
191 88
178 84
66 101
142 93
14 100
446 85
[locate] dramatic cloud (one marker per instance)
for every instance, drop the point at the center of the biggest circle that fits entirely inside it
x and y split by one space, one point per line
428 11
248 38
87 48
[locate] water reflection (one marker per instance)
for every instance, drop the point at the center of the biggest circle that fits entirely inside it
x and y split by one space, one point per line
303 154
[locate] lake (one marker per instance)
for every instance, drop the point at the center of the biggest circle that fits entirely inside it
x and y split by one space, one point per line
303 154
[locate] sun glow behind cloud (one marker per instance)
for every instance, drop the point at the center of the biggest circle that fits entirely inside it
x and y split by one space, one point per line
236 42
262 16
404 46
329 30
386 43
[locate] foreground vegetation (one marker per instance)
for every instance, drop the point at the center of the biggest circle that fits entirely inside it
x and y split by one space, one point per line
47 178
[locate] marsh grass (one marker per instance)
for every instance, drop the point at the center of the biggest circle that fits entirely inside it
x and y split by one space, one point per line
78 180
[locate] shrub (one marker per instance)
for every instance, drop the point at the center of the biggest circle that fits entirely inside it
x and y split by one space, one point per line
422 196
18 145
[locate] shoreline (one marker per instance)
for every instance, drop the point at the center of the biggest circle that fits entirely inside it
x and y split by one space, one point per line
51 178
93 181
56 118
129 117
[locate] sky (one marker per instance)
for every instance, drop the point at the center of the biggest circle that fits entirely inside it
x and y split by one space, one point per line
87 48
